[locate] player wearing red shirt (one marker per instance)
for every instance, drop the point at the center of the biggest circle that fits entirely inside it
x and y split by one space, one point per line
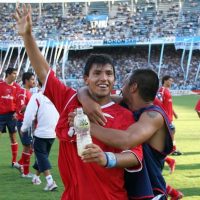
165 97
197 108
82 181
23 97
90 177
8 91
164 100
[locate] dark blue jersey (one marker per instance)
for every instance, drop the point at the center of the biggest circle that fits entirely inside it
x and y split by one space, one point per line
149 182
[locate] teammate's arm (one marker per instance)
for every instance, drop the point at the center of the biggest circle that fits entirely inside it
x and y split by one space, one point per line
92 108
24 27
138 133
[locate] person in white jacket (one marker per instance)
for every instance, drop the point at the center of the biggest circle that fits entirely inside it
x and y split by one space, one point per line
41 119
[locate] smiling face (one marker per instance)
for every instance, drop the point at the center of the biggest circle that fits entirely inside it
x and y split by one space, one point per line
100 82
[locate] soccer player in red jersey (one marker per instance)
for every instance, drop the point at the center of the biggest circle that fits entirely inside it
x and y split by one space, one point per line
165 97
8 92
23 97
164 100
197 108
84 181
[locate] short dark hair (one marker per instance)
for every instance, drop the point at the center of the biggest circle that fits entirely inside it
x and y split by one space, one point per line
147 83
165 78
102 59
26 76
10 70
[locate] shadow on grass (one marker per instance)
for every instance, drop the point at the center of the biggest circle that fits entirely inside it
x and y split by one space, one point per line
189 192
188 167
194 176
190 153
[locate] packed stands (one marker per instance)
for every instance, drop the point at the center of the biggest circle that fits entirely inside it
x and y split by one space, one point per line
142 20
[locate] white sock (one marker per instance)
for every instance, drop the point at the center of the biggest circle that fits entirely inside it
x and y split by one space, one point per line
49 179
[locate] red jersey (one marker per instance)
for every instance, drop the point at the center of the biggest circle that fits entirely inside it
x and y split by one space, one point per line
87 181
165 97
197 107
23 97
8 97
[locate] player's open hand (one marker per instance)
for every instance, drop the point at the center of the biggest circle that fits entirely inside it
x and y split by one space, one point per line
23 19
93 153
95 114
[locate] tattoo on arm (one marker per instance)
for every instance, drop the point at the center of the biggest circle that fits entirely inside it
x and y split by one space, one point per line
152 114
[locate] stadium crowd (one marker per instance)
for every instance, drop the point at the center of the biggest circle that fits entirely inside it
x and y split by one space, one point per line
143 20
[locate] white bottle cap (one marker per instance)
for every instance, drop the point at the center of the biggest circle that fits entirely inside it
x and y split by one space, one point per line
79 111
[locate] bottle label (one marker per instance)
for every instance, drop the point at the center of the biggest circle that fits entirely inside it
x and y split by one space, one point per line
84 123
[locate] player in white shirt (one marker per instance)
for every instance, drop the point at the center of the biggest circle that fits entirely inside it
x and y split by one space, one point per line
42 115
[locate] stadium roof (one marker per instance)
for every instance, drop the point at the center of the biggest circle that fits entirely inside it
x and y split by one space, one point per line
49 1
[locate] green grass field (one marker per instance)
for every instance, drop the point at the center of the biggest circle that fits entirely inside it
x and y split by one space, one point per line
186 176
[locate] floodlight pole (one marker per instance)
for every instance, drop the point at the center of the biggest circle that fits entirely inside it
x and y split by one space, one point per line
10 57
19 49
86 8
5 58
161 58
156 4
182 59
149 54
131 6
189 59
20 64
109 8
197 74
40 9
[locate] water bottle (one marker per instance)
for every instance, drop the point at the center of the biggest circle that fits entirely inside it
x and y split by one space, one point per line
82 130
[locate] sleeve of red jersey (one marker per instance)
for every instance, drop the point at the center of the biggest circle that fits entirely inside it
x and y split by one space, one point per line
56 91
138 153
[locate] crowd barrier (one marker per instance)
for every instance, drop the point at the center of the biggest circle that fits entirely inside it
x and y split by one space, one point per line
184 92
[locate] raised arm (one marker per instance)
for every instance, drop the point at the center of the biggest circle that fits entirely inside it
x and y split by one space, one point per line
24 27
